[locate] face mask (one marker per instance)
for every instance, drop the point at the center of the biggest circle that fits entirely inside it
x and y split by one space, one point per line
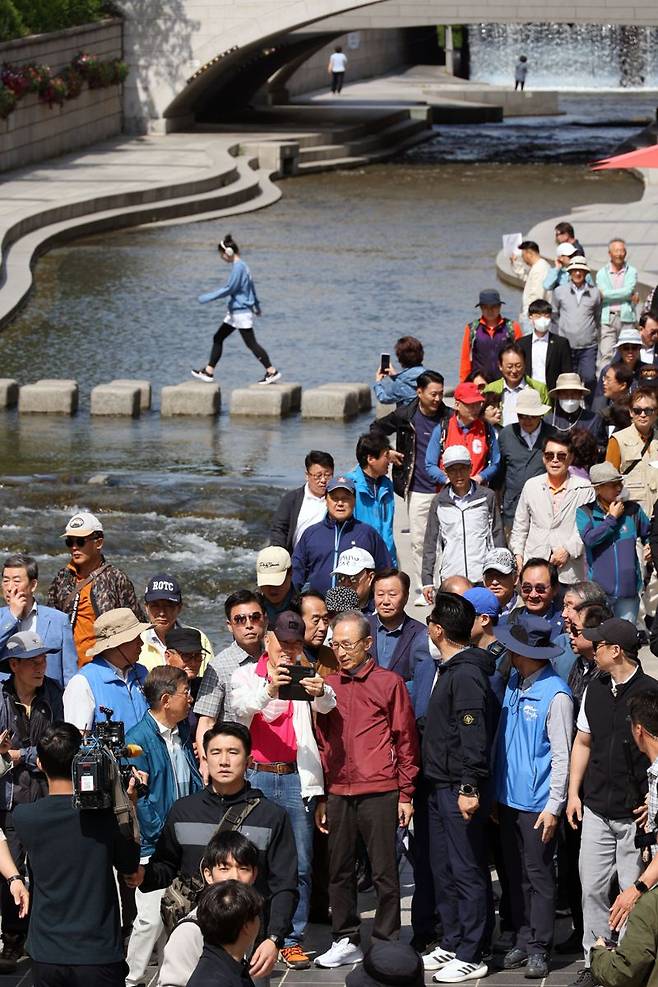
434 651
623 495
569 405
541 325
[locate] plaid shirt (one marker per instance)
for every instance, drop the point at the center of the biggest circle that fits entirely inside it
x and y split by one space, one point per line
652 775
214 698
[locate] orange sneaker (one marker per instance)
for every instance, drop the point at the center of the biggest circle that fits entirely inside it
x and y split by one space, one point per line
295 958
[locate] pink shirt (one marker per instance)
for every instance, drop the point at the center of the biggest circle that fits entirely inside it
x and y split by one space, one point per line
273 740
617 278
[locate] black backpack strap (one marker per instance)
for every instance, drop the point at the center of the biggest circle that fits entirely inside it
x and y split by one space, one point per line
234 817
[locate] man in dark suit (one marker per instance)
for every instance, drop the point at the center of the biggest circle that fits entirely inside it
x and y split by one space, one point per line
398 642
547 355
304 506
20 575
521 450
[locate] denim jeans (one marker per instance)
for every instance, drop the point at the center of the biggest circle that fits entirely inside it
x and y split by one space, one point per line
285 790
625 607
584 364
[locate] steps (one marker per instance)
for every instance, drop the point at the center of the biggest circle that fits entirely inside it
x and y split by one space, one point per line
376 147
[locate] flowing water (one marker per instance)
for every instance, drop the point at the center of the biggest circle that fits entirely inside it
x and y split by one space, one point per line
344 264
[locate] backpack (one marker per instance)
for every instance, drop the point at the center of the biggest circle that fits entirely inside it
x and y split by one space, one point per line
473 328
183 893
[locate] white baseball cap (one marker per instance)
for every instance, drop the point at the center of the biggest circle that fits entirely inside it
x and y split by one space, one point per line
352 561
456 454
565 250
82 523
272 566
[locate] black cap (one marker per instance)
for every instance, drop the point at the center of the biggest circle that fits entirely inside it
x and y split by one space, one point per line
490 297
185 640
289 626
388 963
614 631
163 587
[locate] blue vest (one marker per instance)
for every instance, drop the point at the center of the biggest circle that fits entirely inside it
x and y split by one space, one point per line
124 696
522 766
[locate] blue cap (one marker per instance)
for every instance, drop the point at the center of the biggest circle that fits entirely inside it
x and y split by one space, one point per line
483 600
341 483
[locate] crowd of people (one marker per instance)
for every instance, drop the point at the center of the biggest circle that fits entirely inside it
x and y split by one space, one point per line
513 729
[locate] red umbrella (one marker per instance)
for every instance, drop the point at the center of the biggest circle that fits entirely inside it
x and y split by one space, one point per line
645 157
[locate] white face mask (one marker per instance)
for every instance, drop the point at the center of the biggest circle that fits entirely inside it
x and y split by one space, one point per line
624 495
542 324
569 405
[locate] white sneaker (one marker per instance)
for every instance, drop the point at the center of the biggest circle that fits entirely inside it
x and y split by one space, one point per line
341 953
457 971
420 601
438 958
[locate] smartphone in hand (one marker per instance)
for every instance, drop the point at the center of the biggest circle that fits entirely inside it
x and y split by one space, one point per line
384 363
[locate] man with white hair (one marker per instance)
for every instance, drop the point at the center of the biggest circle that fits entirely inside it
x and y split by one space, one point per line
617 282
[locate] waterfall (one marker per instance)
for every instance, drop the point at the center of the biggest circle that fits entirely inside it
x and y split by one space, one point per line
566 56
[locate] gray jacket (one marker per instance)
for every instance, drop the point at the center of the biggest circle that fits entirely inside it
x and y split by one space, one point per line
578 322
518 463
461 537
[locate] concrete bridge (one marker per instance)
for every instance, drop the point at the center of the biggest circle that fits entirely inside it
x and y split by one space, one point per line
199 59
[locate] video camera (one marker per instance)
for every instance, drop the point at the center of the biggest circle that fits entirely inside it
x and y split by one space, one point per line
99 766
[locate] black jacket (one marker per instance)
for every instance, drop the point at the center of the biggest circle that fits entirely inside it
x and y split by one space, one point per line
400 424
558 357
25 783
518 464
217 968
461 721
615 781
188 829
284 522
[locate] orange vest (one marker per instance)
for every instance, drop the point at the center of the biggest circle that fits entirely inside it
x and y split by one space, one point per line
475 440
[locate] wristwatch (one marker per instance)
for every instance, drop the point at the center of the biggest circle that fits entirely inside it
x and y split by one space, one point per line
469 790
277 940
641 887
14 877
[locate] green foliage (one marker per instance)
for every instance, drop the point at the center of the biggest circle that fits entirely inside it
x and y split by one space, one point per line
11 23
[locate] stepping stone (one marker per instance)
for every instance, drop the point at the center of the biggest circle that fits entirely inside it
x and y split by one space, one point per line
8 392
295 391
266 402
363 392
322 402
202 400
49 397
116 399
144 390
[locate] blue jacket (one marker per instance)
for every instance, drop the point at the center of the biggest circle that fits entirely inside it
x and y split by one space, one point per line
376 508
316 553
400 388
611 547
239 289
411 647
522 759
153 809
124 696
54 629
422 685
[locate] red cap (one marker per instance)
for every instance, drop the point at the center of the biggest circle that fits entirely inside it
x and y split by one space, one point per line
468 393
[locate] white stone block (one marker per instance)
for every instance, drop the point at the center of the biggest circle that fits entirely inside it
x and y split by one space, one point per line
115 399
8 392
322 402
144 390
294 390
203 400
49 397
265 402
363 392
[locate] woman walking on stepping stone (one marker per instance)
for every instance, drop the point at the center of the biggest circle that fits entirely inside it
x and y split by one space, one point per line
243 304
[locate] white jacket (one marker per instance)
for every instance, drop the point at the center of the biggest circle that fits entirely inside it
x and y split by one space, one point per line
537 530
534 278
249 696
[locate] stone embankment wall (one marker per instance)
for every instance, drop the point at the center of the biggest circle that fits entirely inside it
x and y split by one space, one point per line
34 131
369 53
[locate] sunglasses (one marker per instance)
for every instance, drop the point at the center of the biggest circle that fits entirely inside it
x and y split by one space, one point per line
540 589
253 618
560 456
79 542
637 410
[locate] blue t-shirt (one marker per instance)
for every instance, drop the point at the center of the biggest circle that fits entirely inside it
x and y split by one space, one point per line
424 426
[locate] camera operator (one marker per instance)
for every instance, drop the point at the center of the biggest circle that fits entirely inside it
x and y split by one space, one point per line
74 936
29 703
169 762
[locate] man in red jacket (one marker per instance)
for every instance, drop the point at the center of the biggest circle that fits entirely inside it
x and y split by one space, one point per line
369 751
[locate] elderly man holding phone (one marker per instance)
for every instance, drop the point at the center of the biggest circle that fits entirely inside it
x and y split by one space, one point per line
275 698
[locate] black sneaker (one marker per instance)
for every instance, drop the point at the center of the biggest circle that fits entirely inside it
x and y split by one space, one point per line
270 378
202 375
537 967
584 979
516 958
